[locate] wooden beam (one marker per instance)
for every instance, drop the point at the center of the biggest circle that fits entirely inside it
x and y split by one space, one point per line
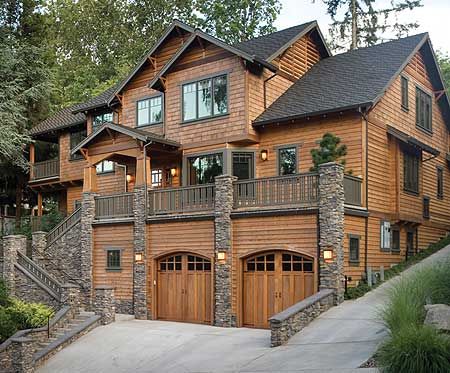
90 179
120 98
32 159
143 171
39 203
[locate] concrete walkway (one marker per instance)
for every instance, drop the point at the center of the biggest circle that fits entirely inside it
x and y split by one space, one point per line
338 341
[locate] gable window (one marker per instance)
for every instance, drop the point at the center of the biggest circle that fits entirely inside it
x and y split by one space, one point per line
395 240
243 165
105 167
423 109
113 259
205 98
440 182
75 139
287 160
157 178
204 168
353 256
426 207
98 120
411 172
405 98
149 111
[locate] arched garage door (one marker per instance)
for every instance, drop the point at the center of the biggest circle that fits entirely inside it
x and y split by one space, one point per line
274 281
184 288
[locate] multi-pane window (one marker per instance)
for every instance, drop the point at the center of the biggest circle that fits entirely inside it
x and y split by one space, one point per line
172 263
353 249
149 111
423 110
113 258
287 160
75 139
204 168
98 120
296 263
261 263
243 165
395 240
157 175
411 171
426 207
440 182
196 263
405 98
205 98
104 167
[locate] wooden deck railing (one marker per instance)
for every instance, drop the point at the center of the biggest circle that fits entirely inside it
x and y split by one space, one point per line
276 191
65 225
182 199
114 206
352 190
46 169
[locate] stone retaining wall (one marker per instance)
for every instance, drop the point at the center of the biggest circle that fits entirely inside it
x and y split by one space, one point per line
293 319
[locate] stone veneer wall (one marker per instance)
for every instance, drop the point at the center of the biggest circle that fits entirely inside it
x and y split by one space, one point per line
87 245
293 319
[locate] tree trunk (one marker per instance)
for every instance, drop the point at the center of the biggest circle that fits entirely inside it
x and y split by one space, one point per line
354 26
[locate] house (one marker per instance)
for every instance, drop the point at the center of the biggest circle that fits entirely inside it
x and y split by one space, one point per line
189 181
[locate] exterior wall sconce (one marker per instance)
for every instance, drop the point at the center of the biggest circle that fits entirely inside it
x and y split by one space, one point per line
221 256
139 257
264 155
173 172
129 178
328 255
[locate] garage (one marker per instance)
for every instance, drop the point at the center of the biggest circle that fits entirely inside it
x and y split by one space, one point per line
273 281
184 288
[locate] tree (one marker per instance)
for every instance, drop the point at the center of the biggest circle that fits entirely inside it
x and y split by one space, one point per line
444 63
363 22
329 151
237 20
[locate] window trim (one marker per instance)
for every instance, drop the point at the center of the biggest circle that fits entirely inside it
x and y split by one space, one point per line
252 152
186 168
418 156
440 184
149 97
105 172
422 128
287 146
354 262
404 78
426 212
196 80
382 247
113 269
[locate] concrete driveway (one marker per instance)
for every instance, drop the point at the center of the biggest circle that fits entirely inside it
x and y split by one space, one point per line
339 341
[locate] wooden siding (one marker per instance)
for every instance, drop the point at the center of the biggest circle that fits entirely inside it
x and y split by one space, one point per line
69 170
354 225
73 194
116 237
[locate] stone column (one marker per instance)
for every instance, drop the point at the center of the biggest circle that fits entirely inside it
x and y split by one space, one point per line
104 304
86 245
38 245
331 226
70 296
140 266
22 355
11 246
223 315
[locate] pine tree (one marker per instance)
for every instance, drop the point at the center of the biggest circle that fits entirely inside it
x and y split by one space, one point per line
329 151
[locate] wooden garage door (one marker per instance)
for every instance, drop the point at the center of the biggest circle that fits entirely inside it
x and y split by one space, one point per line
184 288
272 282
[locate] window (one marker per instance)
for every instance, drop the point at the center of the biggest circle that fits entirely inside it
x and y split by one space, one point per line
385 235
205 98
410 242
203 169
157 178
423 109
104 167
405 98
243 165
287 161
113 259
395 240
149 111
98 120
411 172
440 182
75 139
426 207
353 256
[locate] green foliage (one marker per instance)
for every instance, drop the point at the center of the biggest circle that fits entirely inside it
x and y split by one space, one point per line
329 151
7 326
357 291
28 315
4 299
444 63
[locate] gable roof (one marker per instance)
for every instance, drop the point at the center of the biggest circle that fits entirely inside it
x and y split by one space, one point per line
350 80
272 45
62 119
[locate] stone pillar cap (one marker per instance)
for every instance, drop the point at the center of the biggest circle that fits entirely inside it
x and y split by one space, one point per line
104 287
70 285
329 164
21 339
39 232
14 236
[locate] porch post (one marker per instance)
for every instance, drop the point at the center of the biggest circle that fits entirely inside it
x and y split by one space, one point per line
39 203
331 226
32 161
90 179
223 313
139 236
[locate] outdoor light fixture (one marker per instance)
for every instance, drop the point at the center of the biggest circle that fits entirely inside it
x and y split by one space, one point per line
173 172
138 257
264 155
328 254
221 255
129 177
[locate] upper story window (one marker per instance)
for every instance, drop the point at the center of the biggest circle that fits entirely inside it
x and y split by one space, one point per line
98 120
105 167
405 98
287 160
423 110
205 98
411 172
204 168
149 111
75 139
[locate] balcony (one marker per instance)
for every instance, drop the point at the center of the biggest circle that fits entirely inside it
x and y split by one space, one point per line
116 206
44 170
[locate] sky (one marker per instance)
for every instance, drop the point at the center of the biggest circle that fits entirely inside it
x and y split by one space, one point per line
433 17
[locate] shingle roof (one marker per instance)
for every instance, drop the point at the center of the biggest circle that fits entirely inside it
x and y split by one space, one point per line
265 46
62 119
97 101
348 80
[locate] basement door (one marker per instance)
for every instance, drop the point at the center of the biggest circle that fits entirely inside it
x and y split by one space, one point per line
273 282
184 288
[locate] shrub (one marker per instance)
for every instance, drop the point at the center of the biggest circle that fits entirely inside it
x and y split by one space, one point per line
4 299
419 349
28 315
7 325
